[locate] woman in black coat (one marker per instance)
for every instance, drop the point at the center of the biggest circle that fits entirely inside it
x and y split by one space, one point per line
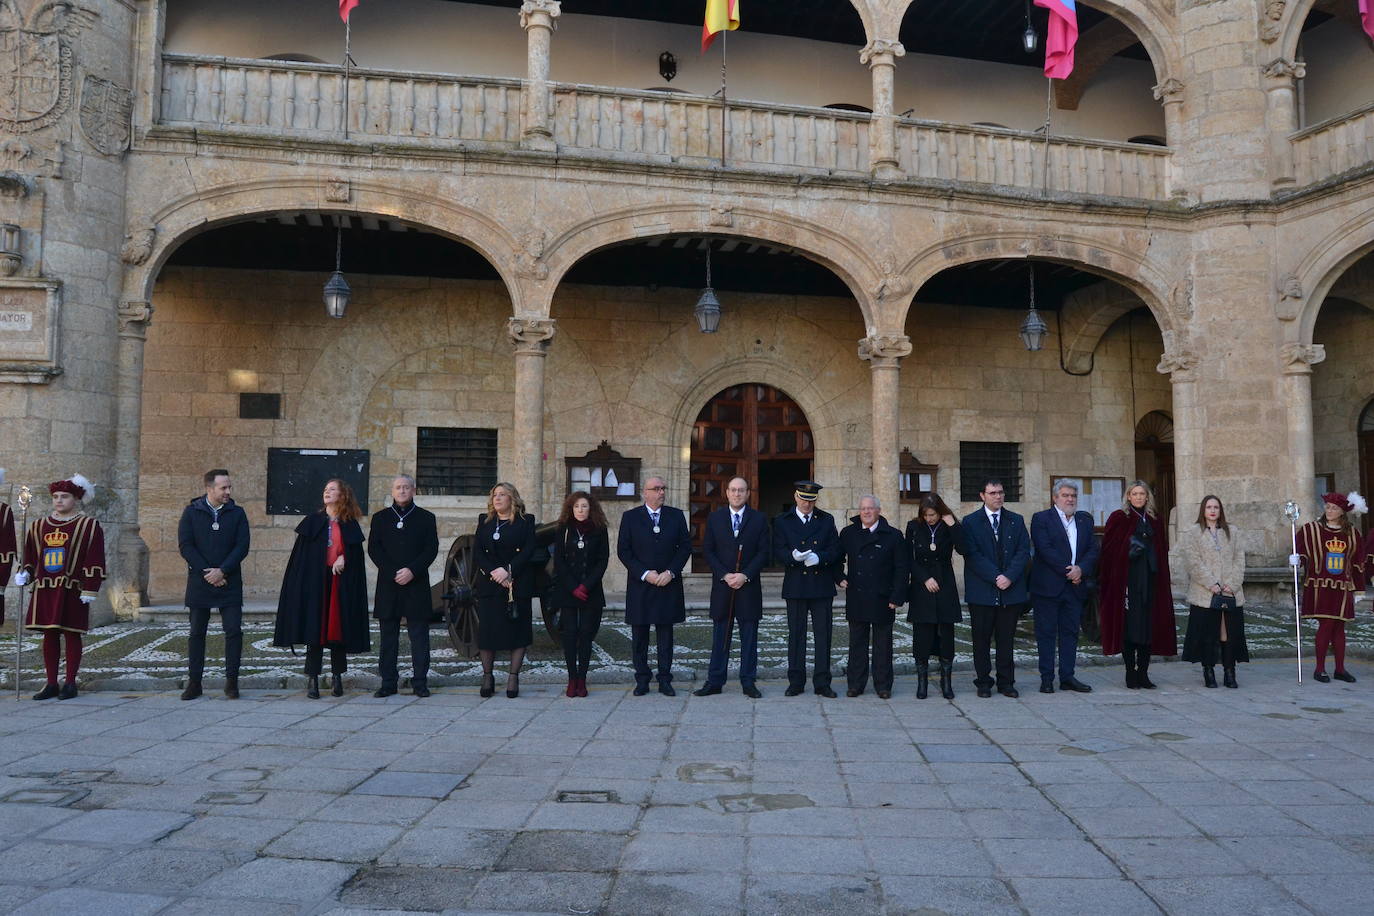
581 550
324 592
931 540
504 546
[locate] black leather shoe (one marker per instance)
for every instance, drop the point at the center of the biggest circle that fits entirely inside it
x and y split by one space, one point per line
1209 676
337 689
641 689
1144 680
1075 685
488 687
1339 675
984 691
312 687
825 692
668 690
751 692
884 694
1009 692
384 691
231 688
192 690
68 691
709 690
852 693
1321 677
47 693
1047 686
420 690
793 691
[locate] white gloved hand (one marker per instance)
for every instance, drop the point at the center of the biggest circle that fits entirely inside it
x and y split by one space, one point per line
1295 559
87 599
811 559
798 555
21 579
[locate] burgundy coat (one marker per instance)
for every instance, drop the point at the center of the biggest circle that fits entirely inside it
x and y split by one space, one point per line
1112 572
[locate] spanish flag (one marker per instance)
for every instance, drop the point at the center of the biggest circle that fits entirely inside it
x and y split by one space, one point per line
720 16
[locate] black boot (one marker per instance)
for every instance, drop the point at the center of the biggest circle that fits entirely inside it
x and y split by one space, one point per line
337 689
192 690
1142 668
1228 677
947 679
231 688
922 680
1128 659
312 686
1209 676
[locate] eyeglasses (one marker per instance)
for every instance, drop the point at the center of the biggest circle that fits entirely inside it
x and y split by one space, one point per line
651 489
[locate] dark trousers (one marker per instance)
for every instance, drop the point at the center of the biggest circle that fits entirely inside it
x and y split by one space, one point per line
231 618
578 627
1056 627
861 634
418 631
639 652
927 637
314 660
721 636
820 613
991 623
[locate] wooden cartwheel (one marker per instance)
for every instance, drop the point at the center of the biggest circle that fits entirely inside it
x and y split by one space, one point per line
453 601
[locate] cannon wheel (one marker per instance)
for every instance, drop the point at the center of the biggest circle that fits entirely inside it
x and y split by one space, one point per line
460 570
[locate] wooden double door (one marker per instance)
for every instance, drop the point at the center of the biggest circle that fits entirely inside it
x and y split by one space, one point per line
752 431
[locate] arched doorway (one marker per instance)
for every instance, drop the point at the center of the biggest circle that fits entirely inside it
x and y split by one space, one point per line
1154 457
1366 439
752 431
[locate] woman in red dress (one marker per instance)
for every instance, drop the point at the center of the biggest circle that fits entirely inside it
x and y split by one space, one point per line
1136 600
1331 554
64 559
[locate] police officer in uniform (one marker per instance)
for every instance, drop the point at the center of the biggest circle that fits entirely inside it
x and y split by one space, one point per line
806 544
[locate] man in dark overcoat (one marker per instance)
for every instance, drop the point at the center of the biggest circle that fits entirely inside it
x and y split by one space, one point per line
1064 559
736 547
806 544
995 586
654 545
874 576
213 539
403 541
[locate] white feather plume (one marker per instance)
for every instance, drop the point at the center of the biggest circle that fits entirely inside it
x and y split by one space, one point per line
2 476
84 484
1357 504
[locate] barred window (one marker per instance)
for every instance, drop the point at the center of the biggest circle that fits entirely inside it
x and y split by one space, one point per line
455 462
980 460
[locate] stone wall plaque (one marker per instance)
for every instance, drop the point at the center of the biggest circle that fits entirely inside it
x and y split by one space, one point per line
28 330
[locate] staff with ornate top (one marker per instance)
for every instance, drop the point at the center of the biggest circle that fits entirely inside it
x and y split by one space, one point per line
1292 511
64 558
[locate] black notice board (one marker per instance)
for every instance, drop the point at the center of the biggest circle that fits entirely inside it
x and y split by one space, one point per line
296 477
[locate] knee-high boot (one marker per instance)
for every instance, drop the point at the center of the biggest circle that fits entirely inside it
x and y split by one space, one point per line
947 678
1142 667
922 680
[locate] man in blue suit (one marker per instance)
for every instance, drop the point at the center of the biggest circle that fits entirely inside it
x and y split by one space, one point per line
995 586
736 548
806 544
654 545
1065 558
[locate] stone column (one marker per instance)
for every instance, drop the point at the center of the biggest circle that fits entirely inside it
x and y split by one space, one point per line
1189 432
884 355
128 588
880 55
1170 94
1280 116
537 19
530 337
1297 361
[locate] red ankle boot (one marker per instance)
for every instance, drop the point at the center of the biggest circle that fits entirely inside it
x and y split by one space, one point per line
572 688
582 686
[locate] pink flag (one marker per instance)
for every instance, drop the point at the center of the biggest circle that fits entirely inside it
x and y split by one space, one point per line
346 7
1062 35
1367 18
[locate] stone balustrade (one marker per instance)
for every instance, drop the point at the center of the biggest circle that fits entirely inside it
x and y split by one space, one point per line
1333 147
306 101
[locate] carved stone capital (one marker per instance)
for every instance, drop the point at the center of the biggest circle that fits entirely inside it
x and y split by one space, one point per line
134 318
881 51
1281 68
540 13
884 349
531 336
138 245
1178 363
1170 90
1298 359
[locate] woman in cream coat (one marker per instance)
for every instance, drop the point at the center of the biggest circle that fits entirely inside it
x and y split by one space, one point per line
1216 602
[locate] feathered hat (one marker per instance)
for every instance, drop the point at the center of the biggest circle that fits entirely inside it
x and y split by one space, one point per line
1351 504
76 485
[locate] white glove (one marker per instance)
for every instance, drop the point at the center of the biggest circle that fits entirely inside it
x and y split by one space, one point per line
798 555
811 559
21 579
87 599
1295 559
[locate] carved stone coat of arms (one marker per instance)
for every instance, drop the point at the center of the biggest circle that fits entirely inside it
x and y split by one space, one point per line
36 57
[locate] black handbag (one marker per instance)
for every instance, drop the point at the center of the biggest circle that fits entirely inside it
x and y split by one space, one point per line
1222 602
1137 547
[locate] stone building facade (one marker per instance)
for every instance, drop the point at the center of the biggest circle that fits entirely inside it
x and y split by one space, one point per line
1230 264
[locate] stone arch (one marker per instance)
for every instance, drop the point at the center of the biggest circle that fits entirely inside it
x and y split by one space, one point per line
1086 316
1153 287
1324 266
1295 13
845 257
167 227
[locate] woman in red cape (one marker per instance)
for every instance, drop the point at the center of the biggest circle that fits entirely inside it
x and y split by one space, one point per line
1135 599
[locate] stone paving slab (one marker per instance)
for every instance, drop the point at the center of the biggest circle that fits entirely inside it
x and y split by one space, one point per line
1178 800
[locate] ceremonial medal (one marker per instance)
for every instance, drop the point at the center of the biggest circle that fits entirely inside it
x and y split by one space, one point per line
655 529
214 526
932 545
496 535
400 525
581 544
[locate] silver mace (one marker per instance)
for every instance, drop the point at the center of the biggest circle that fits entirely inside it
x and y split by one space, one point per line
1292 510
25 497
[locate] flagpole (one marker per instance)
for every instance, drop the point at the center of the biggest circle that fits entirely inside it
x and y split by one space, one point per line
348 72
1049 114
724 103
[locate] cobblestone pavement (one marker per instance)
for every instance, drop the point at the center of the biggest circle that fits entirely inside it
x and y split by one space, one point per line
1178 800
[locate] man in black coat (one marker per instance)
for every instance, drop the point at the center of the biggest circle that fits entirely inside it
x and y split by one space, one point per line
998 552
213 539
806 544
654 545
874 578
736 548
403 542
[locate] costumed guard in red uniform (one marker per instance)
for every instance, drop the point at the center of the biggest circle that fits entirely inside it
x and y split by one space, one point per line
1333 559
67 548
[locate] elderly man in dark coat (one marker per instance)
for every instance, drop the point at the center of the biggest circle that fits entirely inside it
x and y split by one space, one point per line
736 548
213 538
874 576
654 545
403 541
806 544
